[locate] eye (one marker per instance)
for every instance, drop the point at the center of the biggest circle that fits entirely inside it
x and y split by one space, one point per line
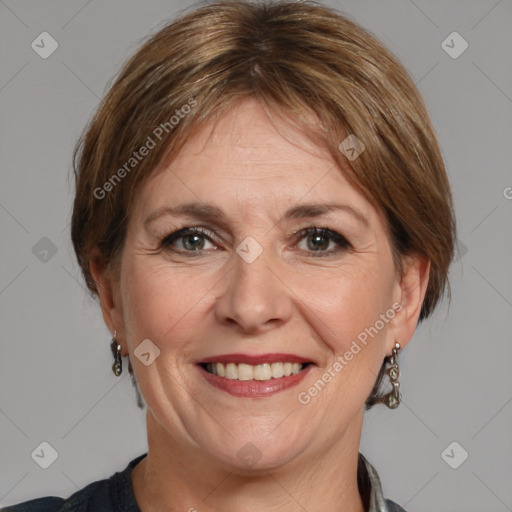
192 239
318 240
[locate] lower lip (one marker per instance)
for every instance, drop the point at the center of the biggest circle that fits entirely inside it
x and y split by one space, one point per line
254 388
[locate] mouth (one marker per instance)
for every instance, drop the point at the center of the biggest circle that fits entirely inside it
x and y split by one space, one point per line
249 376
259 372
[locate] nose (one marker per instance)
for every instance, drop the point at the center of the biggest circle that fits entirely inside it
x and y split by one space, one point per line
255 297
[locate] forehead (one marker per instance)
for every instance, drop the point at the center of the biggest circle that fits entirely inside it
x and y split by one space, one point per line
250 162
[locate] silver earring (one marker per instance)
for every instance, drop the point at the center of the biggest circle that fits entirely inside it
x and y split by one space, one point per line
393 399
117 367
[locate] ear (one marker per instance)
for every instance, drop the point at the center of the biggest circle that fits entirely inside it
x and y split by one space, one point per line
108 295
410 292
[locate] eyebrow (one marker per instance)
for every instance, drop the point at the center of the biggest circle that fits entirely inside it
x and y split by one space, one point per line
206 211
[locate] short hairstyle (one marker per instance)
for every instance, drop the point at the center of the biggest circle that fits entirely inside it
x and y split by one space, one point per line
304 62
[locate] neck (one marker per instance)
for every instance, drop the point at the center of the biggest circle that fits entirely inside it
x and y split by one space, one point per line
179 476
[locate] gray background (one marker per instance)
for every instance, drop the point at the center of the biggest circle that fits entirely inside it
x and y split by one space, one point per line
56 384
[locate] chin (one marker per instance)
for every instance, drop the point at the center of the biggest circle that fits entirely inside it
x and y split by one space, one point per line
249 455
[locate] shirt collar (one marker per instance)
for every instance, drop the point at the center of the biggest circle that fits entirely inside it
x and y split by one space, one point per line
370 486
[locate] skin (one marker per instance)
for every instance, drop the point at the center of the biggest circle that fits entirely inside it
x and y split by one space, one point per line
287 300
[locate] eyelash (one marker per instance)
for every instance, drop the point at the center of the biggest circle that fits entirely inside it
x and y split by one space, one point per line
339 239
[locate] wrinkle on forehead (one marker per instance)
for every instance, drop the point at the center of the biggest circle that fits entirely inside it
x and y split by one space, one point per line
250 117
243 149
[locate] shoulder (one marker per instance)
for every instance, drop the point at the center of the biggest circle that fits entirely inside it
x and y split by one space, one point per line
49 504
394 507
77 502
108 495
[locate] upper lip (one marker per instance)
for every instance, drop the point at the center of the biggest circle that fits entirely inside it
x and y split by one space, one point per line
254 359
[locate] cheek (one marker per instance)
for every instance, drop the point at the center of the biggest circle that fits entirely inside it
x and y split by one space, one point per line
349 302
157 304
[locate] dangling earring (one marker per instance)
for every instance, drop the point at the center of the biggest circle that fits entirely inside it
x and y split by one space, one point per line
117 367
393 399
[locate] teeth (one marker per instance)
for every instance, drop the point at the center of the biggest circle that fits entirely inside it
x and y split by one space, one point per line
231 371
277 370
245 372
263 371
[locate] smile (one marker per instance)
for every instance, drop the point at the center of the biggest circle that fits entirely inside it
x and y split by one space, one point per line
254 376
248 372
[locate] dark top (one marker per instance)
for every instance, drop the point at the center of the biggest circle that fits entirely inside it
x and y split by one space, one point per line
115 494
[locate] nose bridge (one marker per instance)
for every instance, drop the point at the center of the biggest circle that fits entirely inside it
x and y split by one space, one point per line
254 298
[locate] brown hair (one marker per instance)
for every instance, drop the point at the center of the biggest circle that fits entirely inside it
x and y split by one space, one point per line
302 61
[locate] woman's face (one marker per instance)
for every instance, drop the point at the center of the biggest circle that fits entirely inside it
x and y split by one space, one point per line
254 283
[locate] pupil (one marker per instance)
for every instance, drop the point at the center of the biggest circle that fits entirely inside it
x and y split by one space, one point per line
189 237
317 242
